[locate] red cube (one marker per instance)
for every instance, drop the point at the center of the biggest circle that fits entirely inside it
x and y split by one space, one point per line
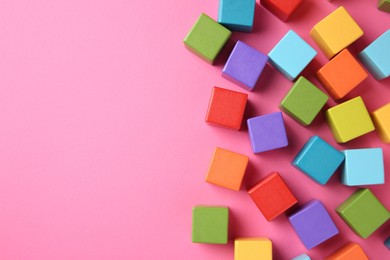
272 196
283 9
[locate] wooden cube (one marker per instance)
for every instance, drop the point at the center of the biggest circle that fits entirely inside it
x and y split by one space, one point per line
350 251
237 15
381 118
384 5
252 249
283 9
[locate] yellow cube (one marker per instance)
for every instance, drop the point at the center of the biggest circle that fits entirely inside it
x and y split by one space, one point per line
252 249
336 32
381 118
349 120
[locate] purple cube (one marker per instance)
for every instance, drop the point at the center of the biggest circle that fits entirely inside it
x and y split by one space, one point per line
244 66
313 224
267 132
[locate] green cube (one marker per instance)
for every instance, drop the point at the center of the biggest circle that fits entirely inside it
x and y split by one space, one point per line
363 212
384 5
207 38
304 101
210 225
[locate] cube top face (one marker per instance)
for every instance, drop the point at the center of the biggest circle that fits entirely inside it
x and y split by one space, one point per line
237 15
318 160
210 225
302 257
283 9
244 65
381 118
304 101
336 32
267 132
226 108
272 196
348 251
291 55
363 212
376 56
252 249
341 74
206 38
363 167
313 224
227 169
349 120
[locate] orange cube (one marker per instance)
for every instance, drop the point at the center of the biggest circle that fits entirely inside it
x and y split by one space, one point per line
341 74
227 169
350 251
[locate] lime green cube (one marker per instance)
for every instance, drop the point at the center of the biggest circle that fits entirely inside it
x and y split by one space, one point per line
363 212
210 225
384 5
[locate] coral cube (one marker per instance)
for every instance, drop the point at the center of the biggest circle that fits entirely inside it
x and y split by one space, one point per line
363 167
335 32
318 160
313 224
341 74
381 118
363 212
226 108
267 132
252 249
272 196
283 9
227 169
384 5
376 56
237 15
244 66
349 120
348 252
301 257
304 101
210 224
207 38
291 55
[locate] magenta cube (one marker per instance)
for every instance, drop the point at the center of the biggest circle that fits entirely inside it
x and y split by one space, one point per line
267 132
244 66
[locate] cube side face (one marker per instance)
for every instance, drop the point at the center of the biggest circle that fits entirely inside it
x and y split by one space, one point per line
384 5
226 108
227 169
281 8
252 249
318 160
267 132
207 38
237 15
291 63
363 212
210 225
313 224
335 32
272 196
245 65
304 101
381 118
349 251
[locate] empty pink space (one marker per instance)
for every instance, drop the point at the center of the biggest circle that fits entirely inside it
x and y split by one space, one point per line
103 144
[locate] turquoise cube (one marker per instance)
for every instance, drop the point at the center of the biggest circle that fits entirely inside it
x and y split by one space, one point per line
237 15
318 160
376 56
387 243
363 167
301 257
291 55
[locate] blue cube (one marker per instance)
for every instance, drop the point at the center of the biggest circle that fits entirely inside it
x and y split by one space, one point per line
387 243
376 57
301 257
318 160
291 55
363 167
237 15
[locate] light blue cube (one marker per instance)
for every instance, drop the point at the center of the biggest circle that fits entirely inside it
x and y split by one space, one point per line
291 55
363 167
301 257
237 15
318 160
376 56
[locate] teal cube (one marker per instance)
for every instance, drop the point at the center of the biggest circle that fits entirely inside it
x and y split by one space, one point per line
387 243
318 160
301 257
291 55
376 56
237 15
363 167
207 38
304 101
210 224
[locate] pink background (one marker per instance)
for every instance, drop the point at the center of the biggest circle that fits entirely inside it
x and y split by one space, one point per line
104 148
